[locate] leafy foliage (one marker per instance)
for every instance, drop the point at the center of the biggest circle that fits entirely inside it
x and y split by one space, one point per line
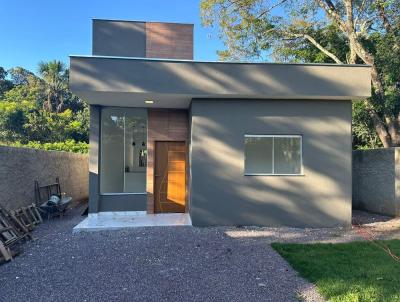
322 31
69 145
41 112
364 135
5 84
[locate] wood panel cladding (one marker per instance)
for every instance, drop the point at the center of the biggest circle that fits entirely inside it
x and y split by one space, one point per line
163 125
169 40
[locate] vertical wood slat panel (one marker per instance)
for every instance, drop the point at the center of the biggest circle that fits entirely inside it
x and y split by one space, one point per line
169 40
163 125
170 177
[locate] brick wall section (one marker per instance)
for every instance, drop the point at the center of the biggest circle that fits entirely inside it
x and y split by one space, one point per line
169 40
163 125
20 167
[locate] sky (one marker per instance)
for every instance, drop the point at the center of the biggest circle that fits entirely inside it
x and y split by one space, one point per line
36 30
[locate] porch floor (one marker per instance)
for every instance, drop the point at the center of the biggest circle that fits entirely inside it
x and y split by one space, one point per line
122 220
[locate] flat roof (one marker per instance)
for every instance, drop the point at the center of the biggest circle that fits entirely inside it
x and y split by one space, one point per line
215 62
139 21
129 82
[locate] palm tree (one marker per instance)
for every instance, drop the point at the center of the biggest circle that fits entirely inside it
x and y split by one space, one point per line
55 77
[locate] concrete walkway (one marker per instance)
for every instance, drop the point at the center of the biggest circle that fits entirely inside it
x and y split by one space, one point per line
124 220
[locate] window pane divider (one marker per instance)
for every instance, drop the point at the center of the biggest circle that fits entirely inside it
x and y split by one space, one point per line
273 155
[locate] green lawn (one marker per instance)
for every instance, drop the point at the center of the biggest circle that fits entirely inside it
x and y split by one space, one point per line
357 271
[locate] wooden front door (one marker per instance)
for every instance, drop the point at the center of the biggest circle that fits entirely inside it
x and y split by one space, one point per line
170 177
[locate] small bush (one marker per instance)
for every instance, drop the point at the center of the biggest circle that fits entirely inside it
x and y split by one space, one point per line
67 146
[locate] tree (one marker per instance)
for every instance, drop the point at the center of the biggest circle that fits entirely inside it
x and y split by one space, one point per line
338 31
21 76
5 84
41 111
55 76
26 87
13 116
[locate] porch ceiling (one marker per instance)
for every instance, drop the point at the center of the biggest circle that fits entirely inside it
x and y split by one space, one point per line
112 81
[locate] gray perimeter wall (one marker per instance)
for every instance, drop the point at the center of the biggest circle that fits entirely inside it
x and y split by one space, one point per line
376 180
222 195
20 167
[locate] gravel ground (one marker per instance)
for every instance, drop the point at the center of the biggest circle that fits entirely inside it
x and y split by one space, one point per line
164 263
369 225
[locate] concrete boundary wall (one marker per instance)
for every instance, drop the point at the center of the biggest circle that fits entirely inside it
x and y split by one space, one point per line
20 167
376 180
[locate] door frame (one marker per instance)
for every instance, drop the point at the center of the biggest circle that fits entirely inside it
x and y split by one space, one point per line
187 171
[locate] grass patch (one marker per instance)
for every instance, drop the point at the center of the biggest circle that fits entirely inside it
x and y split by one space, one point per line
347 272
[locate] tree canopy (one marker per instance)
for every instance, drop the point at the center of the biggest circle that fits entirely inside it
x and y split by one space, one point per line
322 31
39 110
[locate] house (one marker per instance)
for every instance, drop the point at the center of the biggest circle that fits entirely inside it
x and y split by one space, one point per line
228 143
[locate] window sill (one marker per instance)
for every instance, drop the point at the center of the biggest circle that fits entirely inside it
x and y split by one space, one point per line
261 174
108 194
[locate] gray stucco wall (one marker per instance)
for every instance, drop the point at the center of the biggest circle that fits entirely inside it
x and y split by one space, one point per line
376 180
222 195
94 159
119 38
123 202
20 167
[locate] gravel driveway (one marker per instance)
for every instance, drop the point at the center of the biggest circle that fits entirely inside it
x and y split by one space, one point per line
149 264
167 263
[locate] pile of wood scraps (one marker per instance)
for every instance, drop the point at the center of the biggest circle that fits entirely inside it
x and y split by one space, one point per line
16 227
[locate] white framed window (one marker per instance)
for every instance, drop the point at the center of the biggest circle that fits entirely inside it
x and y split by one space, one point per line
273 155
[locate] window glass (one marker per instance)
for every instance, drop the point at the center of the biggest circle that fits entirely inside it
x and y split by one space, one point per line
287 155
258 155
273 155
123 150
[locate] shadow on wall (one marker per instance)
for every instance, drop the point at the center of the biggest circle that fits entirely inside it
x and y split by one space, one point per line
322 197
20 167
93 74
222 195
119 38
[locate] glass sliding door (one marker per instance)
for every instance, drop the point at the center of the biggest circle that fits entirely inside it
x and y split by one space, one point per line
123 150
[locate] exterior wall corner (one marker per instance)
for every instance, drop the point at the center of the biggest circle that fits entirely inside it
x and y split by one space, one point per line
94 159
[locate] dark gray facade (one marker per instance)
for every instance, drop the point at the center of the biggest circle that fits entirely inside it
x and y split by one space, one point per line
94 159
222 195
128 82
225 101
119 38
122 202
